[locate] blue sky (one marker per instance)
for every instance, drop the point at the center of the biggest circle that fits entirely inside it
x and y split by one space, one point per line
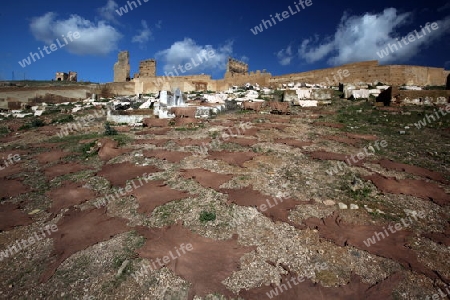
304 38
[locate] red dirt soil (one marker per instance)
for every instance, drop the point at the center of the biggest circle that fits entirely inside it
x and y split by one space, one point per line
205 266
324 155
68 195
440 237
156 142
355 289
160 131
278 119
192 142
241 141
4 154
418 188
341 139
293 142
277 209
12 216
171 156
153 122
64 169
247 132
109 149
78 230
270 126
206 178
391 165
156 193
393 246
327 124
44 145
52 156
16 168
366 137
118 174
233 158
12 188
186 121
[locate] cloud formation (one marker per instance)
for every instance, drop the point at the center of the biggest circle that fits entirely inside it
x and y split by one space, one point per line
285 56
182 52
359 38
108 12
145 34
95 38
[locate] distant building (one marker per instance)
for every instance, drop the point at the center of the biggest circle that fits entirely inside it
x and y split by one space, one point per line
62 76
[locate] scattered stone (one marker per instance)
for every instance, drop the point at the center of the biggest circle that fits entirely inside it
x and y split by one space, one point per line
343 205
33 212
367 208
329 202
354 206
122 267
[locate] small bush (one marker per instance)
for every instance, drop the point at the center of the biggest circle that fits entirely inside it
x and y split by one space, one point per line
33 124
4 130
206 216
109 130
86 149
65 119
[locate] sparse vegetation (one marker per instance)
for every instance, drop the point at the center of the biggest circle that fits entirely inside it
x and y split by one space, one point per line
34 123
86 149
109 130
207 216
4 130
64 119
277 169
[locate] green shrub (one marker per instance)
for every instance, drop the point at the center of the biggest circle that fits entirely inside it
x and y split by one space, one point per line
65 119
109 130
206 216
33 124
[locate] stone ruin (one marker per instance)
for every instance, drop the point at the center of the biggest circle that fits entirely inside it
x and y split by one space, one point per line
147 69
235 66
122 67
62 76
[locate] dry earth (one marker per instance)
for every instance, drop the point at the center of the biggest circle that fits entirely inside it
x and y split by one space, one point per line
286 204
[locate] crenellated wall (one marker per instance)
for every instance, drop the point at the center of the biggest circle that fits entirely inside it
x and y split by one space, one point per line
368 72
365 72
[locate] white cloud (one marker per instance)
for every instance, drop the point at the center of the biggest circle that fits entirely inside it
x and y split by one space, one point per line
187 50
359 38
108 12
95 39
145 34
285 56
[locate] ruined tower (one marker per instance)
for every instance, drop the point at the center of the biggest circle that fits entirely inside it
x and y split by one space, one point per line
122 67
147 68
235 67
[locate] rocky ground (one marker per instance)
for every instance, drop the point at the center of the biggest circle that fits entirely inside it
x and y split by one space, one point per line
346 201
